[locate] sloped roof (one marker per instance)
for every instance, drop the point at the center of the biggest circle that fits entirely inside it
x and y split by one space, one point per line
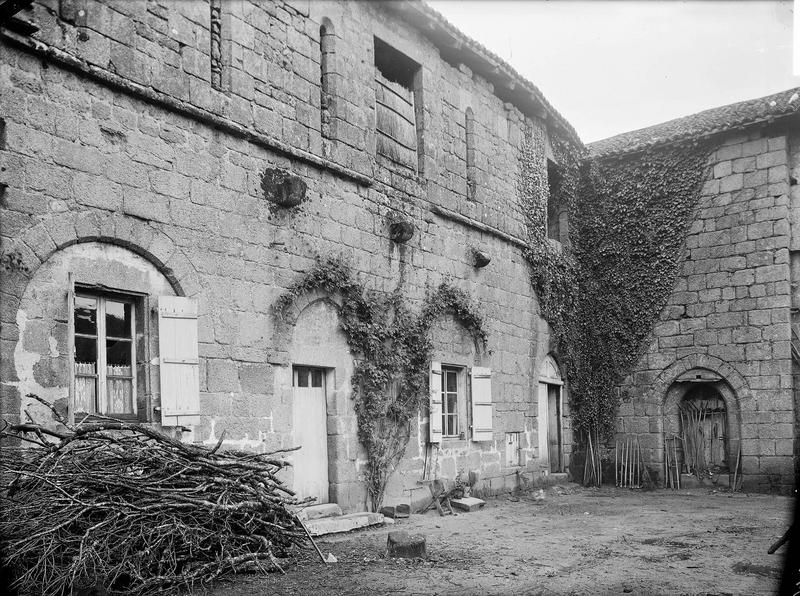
701 124
508 83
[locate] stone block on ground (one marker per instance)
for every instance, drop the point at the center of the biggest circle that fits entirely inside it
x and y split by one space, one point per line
402 545
318 511
343 523
396 511
467 503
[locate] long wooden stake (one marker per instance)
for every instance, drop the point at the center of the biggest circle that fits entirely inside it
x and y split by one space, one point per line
319 552
677 465
616 475
599 461
736 468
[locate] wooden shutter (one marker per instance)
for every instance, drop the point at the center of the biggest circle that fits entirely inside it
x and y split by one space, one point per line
178 358
396 121
435 407
481 403
71 346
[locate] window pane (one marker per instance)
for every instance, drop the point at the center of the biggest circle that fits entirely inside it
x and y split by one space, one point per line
118 319
302 377
118 352
452 403
85 392
120 396
85 315
85 351
316 378
452 381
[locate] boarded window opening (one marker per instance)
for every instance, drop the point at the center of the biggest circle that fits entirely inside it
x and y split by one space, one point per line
469 125
397 103
556 215
327 49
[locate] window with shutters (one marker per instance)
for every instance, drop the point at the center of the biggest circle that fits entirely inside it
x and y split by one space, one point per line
397 106
452 390
104 364
110 364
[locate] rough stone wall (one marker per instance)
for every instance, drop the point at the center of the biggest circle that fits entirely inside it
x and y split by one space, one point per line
163 170
729 312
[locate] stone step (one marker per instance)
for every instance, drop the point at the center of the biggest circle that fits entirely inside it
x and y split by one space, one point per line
343 523
318 511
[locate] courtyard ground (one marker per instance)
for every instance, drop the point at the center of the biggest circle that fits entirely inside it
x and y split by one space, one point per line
574 541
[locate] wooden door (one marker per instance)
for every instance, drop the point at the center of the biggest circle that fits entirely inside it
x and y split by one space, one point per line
544 443
554 428
310 422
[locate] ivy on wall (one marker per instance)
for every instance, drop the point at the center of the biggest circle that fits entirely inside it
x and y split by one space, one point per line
393 349
628 220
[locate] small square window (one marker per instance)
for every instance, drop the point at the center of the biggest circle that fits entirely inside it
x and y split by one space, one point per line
305 376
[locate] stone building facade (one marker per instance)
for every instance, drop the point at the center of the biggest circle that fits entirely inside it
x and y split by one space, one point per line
728 335
148 150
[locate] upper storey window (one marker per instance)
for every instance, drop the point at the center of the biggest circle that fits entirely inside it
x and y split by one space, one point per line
557 214
397 105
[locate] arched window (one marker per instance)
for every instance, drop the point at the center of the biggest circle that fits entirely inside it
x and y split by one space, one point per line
469 125
327 87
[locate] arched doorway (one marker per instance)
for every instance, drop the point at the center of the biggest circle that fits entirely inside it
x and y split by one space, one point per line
702 424
553 439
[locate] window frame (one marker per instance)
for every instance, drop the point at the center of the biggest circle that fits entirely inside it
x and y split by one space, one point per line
102 296
460 413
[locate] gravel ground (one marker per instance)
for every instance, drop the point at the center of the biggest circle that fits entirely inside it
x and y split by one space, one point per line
574 541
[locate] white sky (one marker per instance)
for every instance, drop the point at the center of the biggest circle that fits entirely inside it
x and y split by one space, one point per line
613 66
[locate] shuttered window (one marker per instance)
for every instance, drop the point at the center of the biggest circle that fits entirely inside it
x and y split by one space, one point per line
481 381
178 359
447 405
435 404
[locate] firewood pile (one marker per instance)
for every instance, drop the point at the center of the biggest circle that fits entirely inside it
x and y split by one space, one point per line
123 509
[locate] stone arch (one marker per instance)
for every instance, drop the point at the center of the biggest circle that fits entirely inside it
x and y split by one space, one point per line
453 341
40 362
549 369
61 230
667 376
677 381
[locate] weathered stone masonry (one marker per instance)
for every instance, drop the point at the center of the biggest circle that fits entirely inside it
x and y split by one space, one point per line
131 163
728 321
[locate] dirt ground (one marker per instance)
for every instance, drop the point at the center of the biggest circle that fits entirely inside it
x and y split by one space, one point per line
575 541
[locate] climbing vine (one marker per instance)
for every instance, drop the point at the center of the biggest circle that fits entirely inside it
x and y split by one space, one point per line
393 350
628 219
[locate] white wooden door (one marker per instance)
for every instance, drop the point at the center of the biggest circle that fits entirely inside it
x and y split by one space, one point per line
311 433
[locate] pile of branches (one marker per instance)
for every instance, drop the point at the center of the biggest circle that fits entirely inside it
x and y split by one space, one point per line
123 509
